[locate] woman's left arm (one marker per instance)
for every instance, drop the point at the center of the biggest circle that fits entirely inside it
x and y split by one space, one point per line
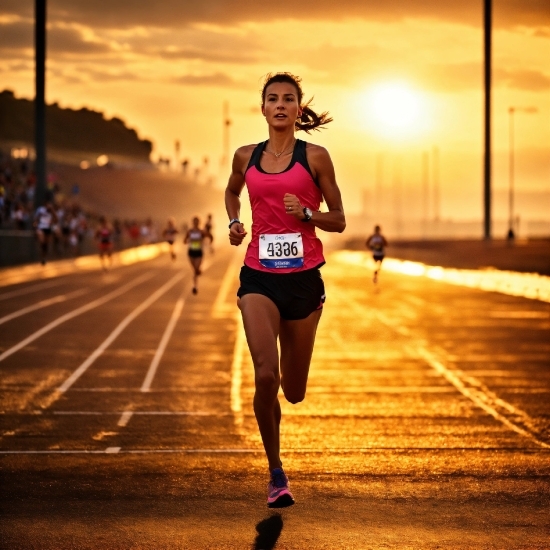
321 165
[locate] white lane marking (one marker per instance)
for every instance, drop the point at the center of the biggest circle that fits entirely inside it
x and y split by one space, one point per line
236 373
481 398
129 414
310 450
146 386
43 303
29 290
75 313
125 418
122 325
112 450
519 314
475 391
220 307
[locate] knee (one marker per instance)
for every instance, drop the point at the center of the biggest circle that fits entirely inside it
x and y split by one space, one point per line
294 396
267 381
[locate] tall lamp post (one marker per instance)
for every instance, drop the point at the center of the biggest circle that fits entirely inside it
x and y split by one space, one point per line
39 101
511 166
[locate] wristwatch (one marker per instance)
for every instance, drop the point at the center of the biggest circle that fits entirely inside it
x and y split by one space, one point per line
234 220
307 213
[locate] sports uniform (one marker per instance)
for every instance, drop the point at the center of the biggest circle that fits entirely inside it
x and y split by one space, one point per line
284 255
195 237
105 239
376 243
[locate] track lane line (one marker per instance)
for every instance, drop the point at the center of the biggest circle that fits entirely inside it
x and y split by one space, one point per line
43 303
480 396
146 386
29 290
75 313
118 330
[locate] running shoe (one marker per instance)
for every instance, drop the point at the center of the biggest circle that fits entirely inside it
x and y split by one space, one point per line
195 290
278 492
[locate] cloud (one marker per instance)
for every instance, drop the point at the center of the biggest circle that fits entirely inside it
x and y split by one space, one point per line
174 13
204 54
19 35
523 79
216 79
464 76
16 35
71 41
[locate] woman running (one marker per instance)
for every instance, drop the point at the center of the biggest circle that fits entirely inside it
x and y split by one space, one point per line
104 236
377 243
282 293
194 238
169 235
44 220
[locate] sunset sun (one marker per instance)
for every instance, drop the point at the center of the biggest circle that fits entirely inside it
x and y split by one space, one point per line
394 109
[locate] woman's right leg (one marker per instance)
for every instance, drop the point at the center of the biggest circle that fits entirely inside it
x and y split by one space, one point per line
261 321
196 264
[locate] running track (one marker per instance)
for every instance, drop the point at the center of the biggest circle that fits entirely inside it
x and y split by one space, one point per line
129 398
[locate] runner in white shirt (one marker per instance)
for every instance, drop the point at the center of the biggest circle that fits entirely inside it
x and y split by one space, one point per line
44 220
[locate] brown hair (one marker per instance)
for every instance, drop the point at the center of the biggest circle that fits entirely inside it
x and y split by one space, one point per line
309 120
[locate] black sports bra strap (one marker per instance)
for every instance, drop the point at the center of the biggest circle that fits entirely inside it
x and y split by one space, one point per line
301 157
256 155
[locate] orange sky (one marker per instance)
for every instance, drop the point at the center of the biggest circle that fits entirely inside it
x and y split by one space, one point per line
166 68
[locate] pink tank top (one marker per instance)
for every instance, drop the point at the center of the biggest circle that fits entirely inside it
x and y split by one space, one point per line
280 243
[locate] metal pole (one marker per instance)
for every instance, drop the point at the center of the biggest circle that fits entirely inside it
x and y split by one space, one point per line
511 172
39 101
226 126
487 158
436 184
378 185
425 191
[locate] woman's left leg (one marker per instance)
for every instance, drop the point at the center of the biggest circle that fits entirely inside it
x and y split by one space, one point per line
196 263
297 339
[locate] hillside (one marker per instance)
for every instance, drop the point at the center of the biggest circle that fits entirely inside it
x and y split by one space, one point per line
70 131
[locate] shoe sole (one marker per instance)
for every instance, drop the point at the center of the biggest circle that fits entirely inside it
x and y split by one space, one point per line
282 502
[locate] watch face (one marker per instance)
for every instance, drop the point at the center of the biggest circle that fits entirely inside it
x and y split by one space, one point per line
309 213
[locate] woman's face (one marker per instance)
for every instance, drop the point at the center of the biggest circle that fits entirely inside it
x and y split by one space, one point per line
281 107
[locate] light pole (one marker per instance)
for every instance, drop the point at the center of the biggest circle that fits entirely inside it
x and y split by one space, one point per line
511 167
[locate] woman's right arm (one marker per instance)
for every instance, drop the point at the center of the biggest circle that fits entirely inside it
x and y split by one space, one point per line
233 193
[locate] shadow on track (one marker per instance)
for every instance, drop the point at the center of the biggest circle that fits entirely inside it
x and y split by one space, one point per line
269 530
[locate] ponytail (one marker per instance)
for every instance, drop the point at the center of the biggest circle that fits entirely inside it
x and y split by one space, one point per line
310 120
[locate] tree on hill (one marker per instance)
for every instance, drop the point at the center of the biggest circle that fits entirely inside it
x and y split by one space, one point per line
70 130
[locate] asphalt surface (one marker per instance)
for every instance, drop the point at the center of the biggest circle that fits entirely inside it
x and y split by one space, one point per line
127 416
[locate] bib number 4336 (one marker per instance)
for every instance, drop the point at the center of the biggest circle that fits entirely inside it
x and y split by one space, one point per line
282 251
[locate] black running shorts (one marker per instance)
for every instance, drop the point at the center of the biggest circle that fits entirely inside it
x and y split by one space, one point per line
296 295
194 253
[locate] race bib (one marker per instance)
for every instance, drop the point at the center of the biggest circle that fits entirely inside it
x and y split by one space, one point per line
282 251
195 245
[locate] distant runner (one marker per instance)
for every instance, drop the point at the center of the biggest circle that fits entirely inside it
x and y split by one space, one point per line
377 242
44 221
104 236
169 235
208 229
194 238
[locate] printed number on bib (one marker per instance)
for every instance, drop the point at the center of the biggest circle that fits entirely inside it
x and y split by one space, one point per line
282 251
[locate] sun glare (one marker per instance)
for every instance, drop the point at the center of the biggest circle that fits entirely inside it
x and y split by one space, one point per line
394 109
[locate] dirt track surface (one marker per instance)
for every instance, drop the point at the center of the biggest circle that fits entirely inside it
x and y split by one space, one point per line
426 424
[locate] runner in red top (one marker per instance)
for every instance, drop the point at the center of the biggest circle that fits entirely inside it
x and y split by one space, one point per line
281 294
104 237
